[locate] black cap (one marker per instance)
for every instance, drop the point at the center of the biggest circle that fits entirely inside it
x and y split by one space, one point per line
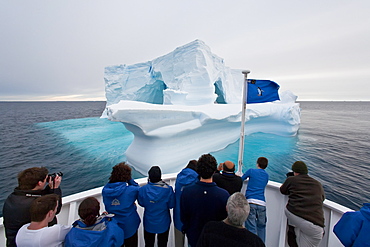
300 167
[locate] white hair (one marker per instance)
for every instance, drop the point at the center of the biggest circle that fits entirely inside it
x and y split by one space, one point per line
237 209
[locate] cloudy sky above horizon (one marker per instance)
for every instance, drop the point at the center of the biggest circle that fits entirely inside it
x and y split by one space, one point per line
57 50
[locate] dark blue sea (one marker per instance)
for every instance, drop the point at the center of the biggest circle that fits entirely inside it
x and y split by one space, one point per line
333 140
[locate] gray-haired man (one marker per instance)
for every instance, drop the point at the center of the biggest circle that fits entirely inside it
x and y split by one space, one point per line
230 231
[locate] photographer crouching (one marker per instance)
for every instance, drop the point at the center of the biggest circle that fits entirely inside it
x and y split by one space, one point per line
32 183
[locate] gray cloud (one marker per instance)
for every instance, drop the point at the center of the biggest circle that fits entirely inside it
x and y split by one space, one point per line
58 50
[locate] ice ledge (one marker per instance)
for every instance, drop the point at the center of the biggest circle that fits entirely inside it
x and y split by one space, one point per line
170 135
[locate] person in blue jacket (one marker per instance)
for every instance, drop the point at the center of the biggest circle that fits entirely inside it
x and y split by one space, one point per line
353 229
119 196
93 230
157 198
186 177
255 194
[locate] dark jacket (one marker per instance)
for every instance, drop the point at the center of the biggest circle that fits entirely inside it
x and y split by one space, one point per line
16 210
228 181
200 203
220 234
306 196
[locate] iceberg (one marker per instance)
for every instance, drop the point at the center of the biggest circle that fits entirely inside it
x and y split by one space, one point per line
186 103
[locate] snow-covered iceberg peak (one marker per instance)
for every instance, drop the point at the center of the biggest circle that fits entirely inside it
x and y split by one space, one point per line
187 103
190 75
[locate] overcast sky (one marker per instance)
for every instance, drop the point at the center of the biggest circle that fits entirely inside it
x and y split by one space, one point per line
57 50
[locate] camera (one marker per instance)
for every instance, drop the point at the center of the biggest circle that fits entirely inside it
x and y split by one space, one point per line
53 175
290 174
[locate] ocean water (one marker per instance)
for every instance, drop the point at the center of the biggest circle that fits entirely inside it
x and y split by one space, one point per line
333 140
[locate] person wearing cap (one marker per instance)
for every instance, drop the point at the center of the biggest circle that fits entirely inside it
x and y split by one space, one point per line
157 198
227 179
255 194
304 209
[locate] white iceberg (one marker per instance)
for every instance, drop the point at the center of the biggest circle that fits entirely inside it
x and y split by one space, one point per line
187 103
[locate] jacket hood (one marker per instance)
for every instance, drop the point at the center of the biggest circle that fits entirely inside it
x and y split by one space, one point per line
186 177
115 189
157 191
365 210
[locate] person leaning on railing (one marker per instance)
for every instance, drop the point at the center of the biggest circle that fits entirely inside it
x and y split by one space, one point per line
255 194
305 207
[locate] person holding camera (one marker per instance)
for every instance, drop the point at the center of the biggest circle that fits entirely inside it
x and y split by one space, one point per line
305 207
31 185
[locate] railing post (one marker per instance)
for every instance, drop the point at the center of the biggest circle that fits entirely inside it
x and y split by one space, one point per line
72 212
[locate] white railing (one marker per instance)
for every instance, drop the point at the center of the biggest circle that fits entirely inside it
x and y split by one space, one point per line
276 220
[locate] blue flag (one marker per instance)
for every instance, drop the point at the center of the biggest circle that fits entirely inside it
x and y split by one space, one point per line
261 91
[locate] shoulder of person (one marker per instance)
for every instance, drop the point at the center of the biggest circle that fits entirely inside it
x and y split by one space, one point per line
225 192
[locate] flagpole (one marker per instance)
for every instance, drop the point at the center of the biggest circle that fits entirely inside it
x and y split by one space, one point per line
244 107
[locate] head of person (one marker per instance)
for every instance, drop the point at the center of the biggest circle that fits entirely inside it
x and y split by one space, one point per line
155 174
192 165
120 173
44 207
88 210
300 167
262 162
237 208
207 166
32 177
228 166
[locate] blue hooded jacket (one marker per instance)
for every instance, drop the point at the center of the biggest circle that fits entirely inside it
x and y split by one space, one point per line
157 199
119 199
186 177
105 232
353 229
